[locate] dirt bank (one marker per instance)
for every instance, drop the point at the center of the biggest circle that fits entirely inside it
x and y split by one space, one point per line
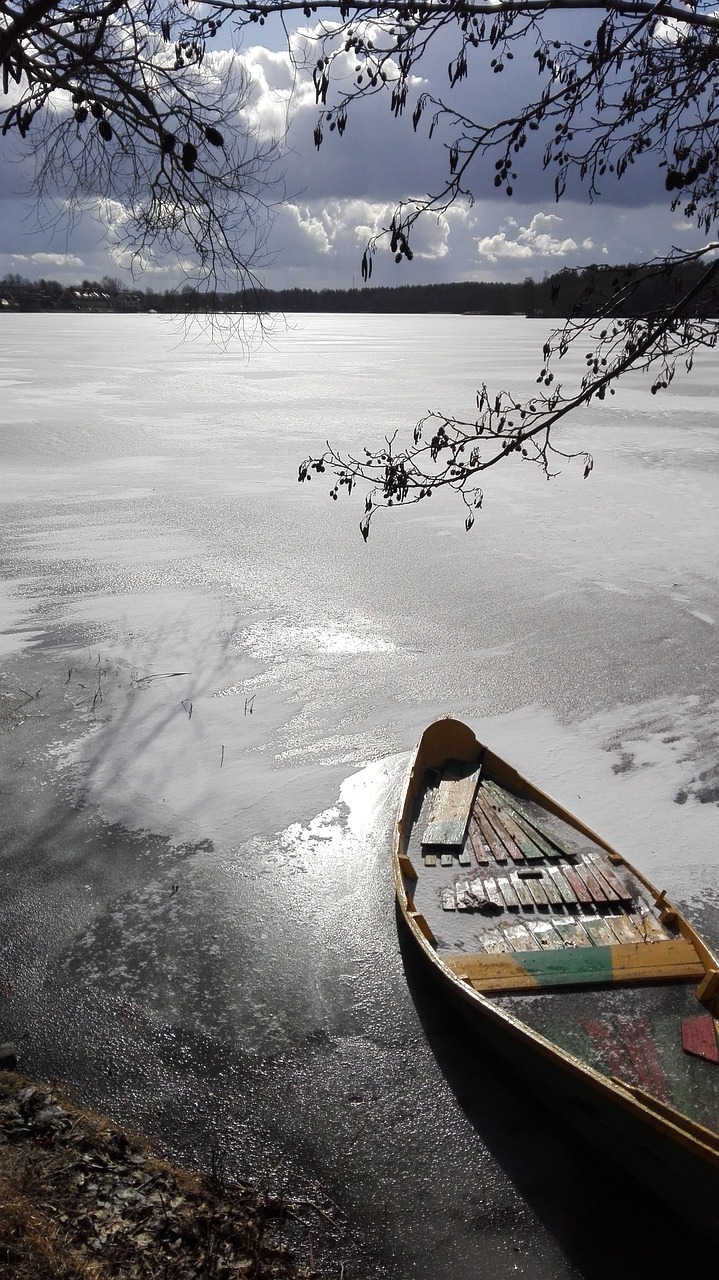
83 1200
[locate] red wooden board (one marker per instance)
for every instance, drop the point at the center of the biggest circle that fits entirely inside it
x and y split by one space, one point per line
700 1038
578 885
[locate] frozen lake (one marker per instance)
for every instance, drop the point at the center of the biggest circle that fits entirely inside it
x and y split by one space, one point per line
197 919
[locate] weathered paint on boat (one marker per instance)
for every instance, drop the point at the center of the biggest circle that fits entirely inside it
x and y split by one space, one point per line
626 1105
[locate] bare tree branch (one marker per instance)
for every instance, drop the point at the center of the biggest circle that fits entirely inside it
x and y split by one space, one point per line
121 106
124 112
641 87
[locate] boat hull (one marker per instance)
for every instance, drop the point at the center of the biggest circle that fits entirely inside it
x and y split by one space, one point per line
671 1154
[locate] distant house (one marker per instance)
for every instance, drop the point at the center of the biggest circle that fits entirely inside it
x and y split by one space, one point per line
127 301
91 299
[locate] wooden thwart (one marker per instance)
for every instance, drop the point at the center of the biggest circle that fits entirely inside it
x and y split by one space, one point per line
632 963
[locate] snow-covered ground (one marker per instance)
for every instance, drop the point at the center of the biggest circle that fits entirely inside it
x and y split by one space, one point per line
199 796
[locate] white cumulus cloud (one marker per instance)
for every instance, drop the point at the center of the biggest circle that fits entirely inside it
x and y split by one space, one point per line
43 260
538 240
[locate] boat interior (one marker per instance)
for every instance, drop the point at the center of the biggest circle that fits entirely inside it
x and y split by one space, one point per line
528 908
495 874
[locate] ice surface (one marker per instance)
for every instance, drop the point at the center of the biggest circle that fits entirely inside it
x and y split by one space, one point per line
231 676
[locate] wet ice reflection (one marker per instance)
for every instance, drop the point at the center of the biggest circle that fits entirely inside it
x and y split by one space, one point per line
197 912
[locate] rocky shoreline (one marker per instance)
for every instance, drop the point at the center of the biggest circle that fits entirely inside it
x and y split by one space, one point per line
83 1200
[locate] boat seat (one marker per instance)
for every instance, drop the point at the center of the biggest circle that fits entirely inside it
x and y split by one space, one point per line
630 963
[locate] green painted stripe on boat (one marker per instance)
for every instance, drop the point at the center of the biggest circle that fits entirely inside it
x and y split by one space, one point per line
568 966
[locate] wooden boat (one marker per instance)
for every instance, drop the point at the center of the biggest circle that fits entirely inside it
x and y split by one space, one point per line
569 962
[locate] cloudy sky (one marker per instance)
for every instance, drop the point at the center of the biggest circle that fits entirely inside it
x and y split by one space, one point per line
337 197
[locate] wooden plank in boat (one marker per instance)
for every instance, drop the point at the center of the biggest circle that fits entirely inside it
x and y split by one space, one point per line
699 1037
451 806
544 847
522 892
621 890
649 928
519 937
551 890
546 935
507 828
500 851
623 929
566 892
489 819
494 942
578 886
597 869
585 874
493 892
466 901
599 931
476 888
531 831
561 847
505 888
479 845
572 933
537 892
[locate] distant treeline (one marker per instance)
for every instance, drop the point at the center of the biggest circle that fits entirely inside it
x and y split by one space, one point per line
628 290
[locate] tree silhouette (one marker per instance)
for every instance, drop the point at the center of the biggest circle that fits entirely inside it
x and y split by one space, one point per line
625 83
124 116
123 109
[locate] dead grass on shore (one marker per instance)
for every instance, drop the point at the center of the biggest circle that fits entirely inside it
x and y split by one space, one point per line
82 1200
